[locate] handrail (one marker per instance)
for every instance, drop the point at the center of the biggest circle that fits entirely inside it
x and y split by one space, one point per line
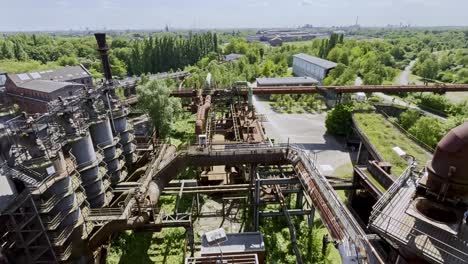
416 232
350 226
390 193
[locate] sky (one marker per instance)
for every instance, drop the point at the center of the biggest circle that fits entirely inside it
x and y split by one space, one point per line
26 15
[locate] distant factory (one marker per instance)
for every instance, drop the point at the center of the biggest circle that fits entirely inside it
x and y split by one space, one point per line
277 37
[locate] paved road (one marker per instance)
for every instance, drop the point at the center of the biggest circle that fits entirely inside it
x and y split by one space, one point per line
404 78
308 130
358 81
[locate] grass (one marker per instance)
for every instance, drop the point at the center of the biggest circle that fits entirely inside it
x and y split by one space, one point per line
384 136
375 181
183 130
344 171
299 43
414 79
163 247
278 244
14 66
456 97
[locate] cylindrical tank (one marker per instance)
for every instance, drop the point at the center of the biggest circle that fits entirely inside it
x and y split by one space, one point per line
88 168
103 138
125 132
448 170
83 150
59 162
101 132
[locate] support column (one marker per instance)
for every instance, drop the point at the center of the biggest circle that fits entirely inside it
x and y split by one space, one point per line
311 217
352 192
256 206
299 200
191 240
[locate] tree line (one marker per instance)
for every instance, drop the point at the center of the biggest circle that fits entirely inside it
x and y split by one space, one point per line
169 52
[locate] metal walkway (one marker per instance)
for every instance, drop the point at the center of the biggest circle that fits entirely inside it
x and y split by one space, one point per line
354 243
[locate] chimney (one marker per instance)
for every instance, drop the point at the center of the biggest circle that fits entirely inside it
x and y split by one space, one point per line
102 48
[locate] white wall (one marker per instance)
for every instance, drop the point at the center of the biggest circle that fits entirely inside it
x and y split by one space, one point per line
303 68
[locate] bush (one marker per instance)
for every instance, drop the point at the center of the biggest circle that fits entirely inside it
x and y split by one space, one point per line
409 118
338 121
428 129
436 102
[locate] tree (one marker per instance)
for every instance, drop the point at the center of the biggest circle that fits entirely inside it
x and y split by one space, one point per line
409 118
68 61
6 51
154 98
19 52
398 52
428 129
429 69
338 121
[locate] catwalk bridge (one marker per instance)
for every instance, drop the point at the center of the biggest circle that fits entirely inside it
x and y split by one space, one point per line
353 241
324 90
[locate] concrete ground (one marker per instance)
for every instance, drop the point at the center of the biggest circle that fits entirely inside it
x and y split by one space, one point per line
308 130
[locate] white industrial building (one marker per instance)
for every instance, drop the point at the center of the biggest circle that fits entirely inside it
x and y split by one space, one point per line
309 66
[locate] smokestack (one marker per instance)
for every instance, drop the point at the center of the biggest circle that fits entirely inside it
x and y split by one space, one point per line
103 48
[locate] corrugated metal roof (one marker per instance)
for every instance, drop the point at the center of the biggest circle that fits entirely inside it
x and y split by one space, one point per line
286 81
64 74
233 56
326 64
45 85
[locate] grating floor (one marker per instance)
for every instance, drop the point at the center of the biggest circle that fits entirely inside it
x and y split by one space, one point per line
432 243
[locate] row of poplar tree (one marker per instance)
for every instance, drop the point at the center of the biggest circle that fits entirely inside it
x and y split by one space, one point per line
169 52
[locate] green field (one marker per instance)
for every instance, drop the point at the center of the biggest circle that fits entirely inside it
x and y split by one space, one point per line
384 136
299 43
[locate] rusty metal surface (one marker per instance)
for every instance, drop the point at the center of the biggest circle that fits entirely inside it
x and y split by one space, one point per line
448 171
440 88
343 89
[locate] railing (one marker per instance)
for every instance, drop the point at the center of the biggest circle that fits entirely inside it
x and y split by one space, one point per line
59 239
390 193
227 258
87 164
432 250
234 123
66 253
349 224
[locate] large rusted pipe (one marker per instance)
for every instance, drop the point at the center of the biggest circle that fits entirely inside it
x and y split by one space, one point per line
201 115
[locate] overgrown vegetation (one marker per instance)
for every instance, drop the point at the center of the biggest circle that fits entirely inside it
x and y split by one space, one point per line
339 122
309 239
428 129
154 98
296 103
384 136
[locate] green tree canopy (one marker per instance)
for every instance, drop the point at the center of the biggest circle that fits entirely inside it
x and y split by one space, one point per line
338 121
409 118
428 129
154 98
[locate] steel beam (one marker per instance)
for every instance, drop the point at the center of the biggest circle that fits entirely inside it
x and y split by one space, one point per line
293 212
